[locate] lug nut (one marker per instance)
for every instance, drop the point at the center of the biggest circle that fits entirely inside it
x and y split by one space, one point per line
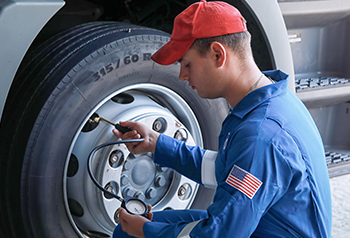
182 191
128 192
124 180
116 158
127 165
160 181
159 125
181 134
151 193
139 195
116 216
109 188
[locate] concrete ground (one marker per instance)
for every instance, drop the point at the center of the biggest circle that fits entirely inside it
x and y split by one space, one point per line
340 187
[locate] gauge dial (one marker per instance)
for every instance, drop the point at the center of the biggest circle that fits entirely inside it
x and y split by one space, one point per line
136 207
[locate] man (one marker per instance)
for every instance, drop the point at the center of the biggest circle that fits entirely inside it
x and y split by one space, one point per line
270 173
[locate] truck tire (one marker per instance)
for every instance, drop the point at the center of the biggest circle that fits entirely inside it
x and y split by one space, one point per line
96 69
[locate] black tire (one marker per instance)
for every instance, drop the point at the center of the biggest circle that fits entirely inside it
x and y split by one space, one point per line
56 90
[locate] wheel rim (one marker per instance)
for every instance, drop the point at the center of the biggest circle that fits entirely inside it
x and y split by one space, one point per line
93 213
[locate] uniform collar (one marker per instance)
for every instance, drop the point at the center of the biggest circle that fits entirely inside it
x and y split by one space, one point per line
260 95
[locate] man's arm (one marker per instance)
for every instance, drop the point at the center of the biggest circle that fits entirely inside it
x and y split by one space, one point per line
192 161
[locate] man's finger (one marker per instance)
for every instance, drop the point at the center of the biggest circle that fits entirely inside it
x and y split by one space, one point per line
150 214
117 133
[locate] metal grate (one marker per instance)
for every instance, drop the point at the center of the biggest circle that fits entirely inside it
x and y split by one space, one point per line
316 82
333 158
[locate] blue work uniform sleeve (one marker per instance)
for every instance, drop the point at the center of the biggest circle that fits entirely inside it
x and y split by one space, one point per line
186 160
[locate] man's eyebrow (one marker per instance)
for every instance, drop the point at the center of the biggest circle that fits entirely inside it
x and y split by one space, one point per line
180 60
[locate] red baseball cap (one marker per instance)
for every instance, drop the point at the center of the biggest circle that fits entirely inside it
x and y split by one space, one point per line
200 20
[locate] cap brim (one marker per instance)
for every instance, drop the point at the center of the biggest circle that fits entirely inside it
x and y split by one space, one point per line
171 52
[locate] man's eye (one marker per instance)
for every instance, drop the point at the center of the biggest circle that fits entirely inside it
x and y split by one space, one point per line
187 65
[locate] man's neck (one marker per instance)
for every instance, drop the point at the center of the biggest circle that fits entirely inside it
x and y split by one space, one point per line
243 81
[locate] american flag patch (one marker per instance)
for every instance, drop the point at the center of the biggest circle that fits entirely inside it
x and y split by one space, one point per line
243 181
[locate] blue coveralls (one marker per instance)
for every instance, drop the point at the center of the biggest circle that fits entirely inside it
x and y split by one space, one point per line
270 136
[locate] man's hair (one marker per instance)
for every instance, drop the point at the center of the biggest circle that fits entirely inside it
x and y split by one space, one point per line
238 42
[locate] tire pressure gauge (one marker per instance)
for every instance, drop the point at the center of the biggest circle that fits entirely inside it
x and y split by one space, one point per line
132 205
135 206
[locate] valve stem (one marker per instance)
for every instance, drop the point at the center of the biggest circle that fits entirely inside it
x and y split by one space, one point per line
98 119
120 128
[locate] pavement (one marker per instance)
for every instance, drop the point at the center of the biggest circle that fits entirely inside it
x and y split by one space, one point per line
340 188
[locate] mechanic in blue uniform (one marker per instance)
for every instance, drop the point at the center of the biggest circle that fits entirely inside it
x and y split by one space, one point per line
269 172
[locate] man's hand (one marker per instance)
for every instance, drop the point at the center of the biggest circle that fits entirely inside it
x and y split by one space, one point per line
133 224
139 130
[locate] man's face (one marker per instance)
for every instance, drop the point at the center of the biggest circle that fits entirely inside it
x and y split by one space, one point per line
199 71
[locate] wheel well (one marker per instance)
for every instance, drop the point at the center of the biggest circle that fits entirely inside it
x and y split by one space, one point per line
154 14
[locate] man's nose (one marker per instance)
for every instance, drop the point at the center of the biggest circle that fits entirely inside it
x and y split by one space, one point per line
183 75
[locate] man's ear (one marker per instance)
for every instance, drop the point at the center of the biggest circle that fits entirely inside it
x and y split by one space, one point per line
219 53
